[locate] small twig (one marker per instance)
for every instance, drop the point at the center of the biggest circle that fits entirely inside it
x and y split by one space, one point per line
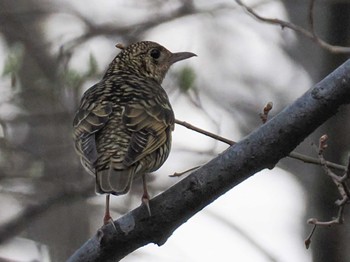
204 132
338 181
178 174
315 161
315 222
308 239
265 114
335 221
347 172
284 24
322 145
341 186
345 177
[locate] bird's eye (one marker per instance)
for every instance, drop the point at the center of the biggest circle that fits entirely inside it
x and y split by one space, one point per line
155 53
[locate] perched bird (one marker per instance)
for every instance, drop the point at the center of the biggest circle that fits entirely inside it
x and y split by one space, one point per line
122 129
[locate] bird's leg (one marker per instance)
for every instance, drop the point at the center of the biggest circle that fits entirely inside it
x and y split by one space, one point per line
107 218
145 197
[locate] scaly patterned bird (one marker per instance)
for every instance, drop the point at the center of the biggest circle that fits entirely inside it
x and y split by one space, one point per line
122 129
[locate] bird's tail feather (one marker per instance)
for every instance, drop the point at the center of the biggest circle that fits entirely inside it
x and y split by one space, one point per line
114 181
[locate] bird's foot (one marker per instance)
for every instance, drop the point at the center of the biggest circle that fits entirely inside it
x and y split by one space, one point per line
145 197
107 219
145 201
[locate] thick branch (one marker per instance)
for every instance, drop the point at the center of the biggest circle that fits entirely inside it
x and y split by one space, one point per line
263 148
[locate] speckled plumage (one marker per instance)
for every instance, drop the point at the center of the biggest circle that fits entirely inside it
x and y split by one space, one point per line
123 126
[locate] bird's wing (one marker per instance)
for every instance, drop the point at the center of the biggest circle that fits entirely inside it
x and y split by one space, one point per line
89 119
148 126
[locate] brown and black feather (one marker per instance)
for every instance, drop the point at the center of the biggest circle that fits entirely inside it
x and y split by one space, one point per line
123 126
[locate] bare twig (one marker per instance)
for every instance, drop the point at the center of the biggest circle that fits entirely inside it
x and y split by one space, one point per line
338 181
178 174
315 161
315 222
322 145
308 239
284 24
341 186
265 114
204 132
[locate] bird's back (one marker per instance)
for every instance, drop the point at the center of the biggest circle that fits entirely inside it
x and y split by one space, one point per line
123 126
128 120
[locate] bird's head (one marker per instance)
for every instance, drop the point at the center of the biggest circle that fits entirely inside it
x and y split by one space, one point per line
148 59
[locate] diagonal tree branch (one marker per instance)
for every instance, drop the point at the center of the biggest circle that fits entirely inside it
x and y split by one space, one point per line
262 149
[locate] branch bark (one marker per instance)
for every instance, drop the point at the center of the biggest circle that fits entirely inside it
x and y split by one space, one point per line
262 149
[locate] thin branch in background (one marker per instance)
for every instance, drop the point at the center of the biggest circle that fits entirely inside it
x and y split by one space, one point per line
311 18
30 213
294 155
340 182
284 24
136 30
246 236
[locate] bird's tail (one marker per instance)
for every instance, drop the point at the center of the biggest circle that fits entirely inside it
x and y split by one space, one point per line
114 181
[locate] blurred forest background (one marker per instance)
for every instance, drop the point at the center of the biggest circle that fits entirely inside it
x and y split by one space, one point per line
52 51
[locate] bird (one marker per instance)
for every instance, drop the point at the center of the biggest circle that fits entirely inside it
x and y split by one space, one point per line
123 126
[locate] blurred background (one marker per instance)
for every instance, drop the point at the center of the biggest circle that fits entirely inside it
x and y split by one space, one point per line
52 51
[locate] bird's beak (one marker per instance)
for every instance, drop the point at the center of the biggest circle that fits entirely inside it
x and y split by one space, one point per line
175 57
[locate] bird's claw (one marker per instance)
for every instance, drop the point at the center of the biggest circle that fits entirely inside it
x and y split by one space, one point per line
145 201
